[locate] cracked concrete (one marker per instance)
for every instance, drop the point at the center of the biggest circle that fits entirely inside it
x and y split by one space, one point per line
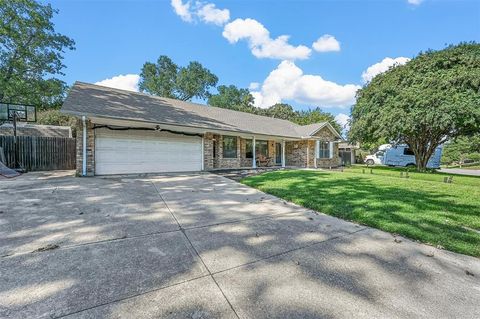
203 246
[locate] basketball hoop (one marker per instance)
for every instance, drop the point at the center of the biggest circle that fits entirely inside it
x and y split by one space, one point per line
15 113
24 113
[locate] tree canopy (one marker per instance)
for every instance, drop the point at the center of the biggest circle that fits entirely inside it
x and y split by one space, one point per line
432 98
231 97
461 149
31 54
167 79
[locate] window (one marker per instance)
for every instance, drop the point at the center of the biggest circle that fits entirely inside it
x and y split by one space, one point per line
229 147
248 149
323 150
408 151
261 148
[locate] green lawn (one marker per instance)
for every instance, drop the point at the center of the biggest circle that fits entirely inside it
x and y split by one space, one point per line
421 207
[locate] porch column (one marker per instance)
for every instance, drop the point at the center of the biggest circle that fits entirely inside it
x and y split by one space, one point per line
254 156
283 153
315 153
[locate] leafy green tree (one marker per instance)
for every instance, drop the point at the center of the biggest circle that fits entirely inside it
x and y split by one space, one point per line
279 111
231 97
432 98
461 149
316 115
167 79
55 117
31 54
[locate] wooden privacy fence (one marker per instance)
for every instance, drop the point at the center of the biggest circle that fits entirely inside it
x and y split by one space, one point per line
38 153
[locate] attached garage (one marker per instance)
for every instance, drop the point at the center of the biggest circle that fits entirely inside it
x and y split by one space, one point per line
140 151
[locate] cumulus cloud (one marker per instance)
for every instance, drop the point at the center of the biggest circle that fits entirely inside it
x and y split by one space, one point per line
415 2
287 82
260 42
326 43
125 82
210 14
206 12
381 67
182 10
254 86
342 119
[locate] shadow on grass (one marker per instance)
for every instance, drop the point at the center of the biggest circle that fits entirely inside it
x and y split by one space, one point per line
432 217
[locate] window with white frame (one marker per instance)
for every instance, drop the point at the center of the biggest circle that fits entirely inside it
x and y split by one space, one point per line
323 149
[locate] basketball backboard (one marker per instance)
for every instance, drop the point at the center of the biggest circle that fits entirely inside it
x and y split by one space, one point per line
25 113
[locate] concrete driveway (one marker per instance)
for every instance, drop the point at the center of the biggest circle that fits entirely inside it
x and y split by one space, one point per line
203 246
461 171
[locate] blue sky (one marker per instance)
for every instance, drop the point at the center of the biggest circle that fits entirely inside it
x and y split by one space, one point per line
240 41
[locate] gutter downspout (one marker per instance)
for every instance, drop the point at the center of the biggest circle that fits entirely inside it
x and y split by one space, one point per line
84 147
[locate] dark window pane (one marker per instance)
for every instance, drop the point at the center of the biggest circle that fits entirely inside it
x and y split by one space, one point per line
248 149
408 151
261 148
229 147
323 150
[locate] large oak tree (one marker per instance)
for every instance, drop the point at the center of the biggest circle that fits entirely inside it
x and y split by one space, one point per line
31 54
429 100
167 79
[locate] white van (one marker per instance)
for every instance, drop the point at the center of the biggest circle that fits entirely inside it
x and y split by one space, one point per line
401 155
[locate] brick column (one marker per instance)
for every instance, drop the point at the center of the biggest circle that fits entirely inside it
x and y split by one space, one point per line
207 151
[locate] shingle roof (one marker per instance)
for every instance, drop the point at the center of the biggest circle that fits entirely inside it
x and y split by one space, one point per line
94 100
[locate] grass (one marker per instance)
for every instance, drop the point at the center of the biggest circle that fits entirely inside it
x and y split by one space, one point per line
421 207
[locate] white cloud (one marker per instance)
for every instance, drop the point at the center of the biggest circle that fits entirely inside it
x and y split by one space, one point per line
326 43
182 10
254 86
381 67
415 2
125 82
260 42
287 82
206 12
210 14
342 119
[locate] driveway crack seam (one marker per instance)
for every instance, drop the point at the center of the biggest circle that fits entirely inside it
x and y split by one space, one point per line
289 251
196 252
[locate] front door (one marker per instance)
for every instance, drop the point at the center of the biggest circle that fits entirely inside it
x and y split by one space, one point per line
278 153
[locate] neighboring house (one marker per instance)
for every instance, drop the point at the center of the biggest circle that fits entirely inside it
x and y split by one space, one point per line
28 129
121 132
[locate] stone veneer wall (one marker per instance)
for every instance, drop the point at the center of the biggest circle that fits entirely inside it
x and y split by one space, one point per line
208 151
219 161
90 148
326 135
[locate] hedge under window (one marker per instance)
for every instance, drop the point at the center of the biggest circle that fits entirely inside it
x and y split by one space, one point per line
229 147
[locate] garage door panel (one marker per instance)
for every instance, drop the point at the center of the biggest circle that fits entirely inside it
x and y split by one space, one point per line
123 152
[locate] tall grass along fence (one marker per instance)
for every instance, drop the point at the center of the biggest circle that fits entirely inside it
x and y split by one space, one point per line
38 153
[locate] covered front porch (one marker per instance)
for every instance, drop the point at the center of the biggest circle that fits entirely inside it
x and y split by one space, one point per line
241 152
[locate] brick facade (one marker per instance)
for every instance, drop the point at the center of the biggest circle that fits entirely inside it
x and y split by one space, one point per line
299 153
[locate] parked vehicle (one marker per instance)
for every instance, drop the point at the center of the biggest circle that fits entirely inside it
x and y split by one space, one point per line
401 155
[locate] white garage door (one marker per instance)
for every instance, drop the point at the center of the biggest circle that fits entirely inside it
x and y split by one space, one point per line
124 152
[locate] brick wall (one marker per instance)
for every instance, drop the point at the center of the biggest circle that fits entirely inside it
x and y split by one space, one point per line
90 148
208 151
326 135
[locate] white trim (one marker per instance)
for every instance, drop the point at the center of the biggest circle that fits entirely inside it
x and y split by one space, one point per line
316 153
330 150
283 153
254 155
334 131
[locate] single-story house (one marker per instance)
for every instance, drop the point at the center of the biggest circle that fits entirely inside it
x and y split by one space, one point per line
122 132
